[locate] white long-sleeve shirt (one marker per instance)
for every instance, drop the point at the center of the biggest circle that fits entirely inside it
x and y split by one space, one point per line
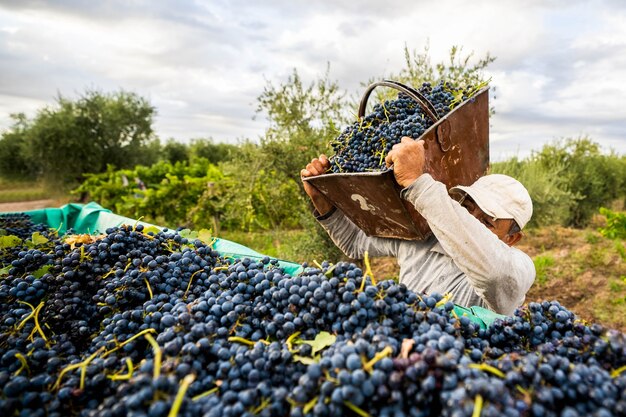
462 257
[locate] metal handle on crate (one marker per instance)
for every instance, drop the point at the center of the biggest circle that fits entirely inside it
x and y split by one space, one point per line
419 98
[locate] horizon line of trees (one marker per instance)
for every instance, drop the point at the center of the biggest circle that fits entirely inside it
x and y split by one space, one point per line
88 145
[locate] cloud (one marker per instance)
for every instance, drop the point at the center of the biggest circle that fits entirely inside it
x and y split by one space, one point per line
559 68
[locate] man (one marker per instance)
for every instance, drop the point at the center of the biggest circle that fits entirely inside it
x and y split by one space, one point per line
470 254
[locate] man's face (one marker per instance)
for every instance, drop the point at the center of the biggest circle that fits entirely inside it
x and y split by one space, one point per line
499 227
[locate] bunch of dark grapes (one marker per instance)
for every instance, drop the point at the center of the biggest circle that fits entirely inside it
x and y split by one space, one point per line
362 146
138 323
20 225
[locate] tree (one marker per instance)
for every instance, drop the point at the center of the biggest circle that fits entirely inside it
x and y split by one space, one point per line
84 136
458 70
213 152
13 145
593 178
303 120
174 151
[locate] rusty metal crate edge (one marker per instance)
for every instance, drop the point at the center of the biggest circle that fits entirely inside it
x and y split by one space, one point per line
457 153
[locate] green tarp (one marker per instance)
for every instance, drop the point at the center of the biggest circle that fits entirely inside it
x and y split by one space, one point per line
93 218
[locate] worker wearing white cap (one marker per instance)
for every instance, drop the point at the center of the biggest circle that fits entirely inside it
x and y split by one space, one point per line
471 254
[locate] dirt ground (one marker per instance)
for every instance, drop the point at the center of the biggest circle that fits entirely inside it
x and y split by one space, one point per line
579 268
26 205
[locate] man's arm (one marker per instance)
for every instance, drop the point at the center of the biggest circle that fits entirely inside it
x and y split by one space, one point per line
499 274
346 235
353 241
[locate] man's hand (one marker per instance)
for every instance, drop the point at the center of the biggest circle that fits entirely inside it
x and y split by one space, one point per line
407 158
316 167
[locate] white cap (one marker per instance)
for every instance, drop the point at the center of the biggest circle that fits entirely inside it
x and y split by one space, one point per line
501 197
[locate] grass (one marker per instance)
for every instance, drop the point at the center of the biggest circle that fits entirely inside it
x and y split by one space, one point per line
581 269
274 243
542 266
15 191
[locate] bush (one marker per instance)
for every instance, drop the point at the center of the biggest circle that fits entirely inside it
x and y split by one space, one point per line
552 202
593 178
615 224
568 181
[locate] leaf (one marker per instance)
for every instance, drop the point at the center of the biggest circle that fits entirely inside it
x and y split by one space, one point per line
9 241
322 341
74 240
38 239
5 271
205 236
306 360
152 229
188 234
42 271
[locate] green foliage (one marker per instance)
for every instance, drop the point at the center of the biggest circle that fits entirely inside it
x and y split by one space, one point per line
254 195
65 141
303 120
174 151
211 151
568 181
552 200
593 178
197 195
462 70
542 265
621 249
615 224
13 146
171 190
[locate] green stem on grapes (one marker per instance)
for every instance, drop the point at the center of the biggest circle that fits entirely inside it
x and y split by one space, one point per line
368 366
264 403
127 375
141 333
149 288
356 409
205 394
487 368
35 316
157 355
309 406
82 365
190 281
180 395
290 339
246 341
368 271
617 372
24 363
478 406
446 297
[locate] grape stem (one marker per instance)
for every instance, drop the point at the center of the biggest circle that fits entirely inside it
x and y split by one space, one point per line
127 375
180 395
157 355
478 406
356 409
368 366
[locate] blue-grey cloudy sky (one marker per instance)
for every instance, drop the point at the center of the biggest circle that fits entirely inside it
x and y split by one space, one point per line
560 68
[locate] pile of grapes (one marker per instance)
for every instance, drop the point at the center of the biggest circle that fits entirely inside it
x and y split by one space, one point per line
362 146
144 323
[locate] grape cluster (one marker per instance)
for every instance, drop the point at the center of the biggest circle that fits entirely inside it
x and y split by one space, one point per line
20 225
146 323
362 146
